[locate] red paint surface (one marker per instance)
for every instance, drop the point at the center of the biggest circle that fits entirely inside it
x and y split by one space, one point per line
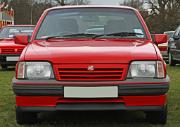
8 46
52 101
160 38
162 48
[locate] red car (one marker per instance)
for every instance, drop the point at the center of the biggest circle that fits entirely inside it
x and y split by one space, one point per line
65 68
9 51
164 47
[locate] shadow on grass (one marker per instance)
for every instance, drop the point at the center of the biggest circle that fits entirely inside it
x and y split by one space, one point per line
8 69
87 119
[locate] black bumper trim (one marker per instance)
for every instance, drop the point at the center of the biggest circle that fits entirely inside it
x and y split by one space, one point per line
26 90
92 107
123 90
144 89
129 89
8 63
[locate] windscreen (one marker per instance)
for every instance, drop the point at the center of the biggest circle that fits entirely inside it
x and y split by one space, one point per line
91 21
10 32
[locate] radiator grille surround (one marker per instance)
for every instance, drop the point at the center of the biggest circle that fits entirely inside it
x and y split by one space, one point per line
91 72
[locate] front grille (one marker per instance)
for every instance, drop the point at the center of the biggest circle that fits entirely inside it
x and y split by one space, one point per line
101 72
11 51
7 51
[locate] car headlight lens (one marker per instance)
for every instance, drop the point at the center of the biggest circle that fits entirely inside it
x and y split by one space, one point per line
35 70
146 69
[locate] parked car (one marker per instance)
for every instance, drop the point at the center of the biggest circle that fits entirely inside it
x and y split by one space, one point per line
66 69
174 48
164 47
9 51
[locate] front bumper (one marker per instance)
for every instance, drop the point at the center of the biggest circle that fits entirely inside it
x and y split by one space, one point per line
4 61
128 87
133 94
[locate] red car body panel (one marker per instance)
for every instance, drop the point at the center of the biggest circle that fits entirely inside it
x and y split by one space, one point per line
52 101
9 47
118 51
163 48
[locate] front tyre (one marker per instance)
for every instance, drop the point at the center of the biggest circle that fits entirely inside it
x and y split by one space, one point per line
26 117
171 60
157 117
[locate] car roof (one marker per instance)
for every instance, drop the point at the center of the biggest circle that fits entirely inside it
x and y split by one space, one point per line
90 6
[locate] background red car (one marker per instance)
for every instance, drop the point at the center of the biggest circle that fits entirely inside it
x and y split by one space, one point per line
164 47
9 51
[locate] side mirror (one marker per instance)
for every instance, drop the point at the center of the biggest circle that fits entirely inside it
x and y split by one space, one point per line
21 39
160 38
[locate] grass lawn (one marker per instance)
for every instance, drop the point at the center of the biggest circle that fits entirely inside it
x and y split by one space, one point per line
89 119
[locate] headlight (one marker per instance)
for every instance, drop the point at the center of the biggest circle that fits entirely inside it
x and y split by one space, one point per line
146 69
35 70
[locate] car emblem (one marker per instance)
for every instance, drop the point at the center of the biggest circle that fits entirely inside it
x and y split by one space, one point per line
90 68
16 50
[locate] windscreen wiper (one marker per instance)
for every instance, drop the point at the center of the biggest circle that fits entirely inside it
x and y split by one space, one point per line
54 37
80 35
71 35
120 34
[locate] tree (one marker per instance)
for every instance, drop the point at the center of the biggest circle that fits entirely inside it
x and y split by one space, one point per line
60 2
133 3
28 11
6 1
164 15
79 2
71 2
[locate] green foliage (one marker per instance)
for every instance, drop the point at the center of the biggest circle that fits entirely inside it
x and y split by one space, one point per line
5 1
71 2
164 16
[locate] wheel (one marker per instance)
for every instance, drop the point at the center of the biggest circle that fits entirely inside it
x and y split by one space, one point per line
157 117
26 117
4 67
172 62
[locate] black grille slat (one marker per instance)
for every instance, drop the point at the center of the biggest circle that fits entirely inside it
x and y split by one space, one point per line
85 69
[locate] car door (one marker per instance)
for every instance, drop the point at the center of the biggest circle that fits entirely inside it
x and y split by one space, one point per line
175 44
